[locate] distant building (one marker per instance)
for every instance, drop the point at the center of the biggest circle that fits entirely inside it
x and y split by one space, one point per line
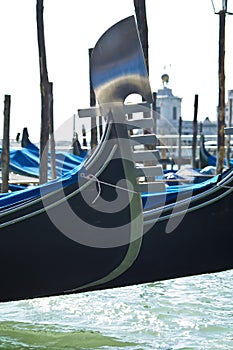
168 108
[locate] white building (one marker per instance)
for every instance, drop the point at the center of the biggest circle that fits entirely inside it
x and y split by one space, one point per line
169 111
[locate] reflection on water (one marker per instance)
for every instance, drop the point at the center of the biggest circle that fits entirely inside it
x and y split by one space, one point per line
186 313
16 335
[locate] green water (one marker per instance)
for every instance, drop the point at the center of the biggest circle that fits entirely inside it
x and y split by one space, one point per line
185 314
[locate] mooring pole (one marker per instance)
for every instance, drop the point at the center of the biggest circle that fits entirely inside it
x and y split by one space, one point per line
45 99
220 8
179 142
194 143
92 104
5 145
84 136
221 101
228 153
51 133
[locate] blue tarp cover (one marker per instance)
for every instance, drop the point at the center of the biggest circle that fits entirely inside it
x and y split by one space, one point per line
25 161
150 200
17 197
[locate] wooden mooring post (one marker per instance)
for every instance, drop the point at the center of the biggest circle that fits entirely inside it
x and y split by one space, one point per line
221 95
5 145
92 104
51 132
154 113
228 150
84 134
179 143
45 88
194 142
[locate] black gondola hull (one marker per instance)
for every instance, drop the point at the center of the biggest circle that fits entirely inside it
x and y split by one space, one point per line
36 259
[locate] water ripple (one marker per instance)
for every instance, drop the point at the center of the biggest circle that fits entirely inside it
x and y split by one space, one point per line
181 314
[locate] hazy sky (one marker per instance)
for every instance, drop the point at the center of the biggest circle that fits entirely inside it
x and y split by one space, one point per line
183 41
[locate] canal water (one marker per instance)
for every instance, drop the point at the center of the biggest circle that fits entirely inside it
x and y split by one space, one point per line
186 313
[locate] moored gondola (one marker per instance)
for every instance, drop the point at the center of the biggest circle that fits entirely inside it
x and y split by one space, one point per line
93 228
207 159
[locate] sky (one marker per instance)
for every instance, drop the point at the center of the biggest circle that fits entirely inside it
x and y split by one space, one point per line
183 42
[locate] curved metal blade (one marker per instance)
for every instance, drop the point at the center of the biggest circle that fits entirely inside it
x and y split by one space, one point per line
117 64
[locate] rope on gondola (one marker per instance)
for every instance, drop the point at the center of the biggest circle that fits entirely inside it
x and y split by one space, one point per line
99 182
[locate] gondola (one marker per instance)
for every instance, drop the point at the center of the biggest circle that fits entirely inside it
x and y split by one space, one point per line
25 161
207 159
98 226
